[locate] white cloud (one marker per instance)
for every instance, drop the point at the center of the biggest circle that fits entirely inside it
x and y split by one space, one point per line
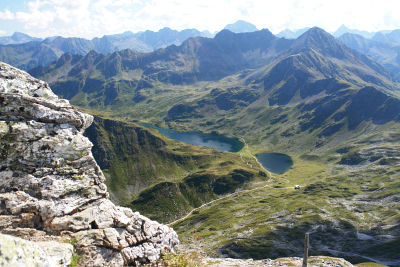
90 18
7 15
123 3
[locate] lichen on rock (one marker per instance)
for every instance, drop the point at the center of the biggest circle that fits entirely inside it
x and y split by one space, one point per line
49 180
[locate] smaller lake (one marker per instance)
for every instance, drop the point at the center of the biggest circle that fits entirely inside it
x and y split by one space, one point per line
212 140
275 162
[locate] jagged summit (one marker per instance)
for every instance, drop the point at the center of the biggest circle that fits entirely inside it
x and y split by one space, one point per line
318 39
314 37
51 185
319 42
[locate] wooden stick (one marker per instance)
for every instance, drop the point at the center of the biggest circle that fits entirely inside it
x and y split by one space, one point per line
305 257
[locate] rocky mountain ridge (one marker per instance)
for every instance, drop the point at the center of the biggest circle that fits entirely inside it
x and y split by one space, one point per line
125 76
51 185
383 50
35 52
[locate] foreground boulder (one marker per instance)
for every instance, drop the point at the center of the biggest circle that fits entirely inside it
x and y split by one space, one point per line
50 182
17 252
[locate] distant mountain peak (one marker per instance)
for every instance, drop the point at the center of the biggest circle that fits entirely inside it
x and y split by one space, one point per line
315 35
166 29
321 41
127 33
17 38
92 52
392 37
317 30
292 34
224 33
344 29
241 26
263 35
19 35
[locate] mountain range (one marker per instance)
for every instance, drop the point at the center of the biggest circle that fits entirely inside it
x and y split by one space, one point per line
384 48
343 30
205 59
333 109
293 34
28 52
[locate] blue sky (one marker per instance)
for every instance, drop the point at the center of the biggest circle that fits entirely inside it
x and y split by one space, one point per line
12 5
94 18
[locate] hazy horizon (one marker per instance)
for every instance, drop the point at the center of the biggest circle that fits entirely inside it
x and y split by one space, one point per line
95 18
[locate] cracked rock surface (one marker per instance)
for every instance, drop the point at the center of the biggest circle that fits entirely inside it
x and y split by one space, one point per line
50 182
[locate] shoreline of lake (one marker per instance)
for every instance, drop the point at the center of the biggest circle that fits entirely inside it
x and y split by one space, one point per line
211 140
276 163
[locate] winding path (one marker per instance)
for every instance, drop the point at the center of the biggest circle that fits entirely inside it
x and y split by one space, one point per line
235 193
223 197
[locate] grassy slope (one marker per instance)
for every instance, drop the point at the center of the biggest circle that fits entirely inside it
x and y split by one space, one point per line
143 168
335 202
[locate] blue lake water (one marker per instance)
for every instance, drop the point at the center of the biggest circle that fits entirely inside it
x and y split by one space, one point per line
212 140
275 162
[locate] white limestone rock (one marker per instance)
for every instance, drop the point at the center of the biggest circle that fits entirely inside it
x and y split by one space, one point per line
17 252
49 179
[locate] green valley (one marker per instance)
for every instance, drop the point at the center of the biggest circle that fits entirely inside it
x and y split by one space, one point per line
162 178
334 111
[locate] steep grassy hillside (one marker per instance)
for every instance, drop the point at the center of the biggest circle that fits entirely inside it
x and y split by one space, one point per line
163 178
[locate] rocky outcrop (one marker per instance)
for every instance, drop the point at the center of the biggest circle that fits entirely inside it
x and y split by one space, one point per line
16 252
49 180
312 261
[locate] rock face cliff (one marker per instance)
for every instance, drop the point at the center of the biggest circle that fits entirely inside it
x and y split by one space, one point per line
50 183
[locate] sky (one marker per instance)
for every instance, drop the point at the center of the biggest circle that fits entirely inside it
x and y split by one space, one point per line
95 18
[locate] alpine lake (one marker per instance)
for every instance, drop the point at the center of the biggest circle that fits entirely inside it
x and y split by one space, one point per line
277 163
212 140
